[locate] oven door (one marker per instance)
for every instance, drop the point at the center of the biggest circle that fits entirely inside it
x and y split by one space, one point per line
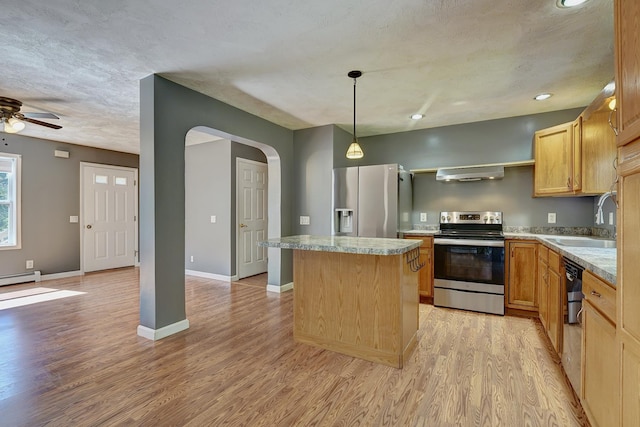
466 260
469 275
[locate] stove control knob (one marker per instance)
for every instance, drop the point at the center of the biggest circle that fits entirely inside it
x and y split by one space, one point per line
486 219
442 218
448 218
491 219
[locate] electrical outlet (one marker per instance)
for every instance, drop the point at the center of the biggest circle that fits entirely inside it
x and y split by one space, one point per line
73 219
213 219
423 217
551 217
305 220
610 218
191 258
29 263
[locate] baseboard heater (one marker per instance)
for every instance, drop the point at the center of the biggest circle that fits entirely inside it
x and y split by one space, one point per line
14 279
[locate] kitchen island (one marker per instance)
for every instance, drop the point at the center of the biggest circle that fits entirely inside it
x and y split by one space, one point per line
356 296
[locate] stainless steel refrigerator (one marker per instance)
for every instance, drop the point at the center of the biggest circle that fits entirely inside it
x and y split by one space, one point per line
371 201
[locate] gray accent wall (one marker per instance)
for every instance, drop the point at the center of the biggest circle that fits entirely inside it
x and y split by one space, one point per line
512 195
493 141
312 175
208 192
50 195
210 189
168 111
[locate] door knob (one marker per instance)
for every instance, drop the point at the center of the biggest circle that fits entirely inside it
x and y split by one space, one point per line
243 225
89 226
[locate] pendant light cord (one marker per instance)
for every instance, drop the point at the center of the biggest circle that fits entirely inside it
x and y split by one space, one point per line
354 109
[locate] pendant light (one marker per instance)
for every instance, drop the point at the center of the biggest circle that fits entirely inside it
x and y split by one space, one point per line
354 151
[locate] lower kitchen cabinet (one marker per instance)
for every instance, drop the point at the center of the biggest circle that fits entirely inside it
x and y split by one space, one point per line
555 322
522 290
550 290
425 278
600 360
543 287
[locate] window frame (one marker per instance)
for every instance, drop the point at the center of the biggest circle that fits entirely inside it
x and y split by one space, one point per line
15 202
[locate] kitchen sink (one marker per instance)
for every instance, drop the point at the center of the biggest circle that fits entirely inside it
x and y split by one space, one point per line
584 243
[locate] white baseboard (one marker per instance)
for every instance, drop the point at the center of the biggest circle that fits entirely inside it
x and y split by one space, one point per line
280 289
62 275
158 334
33 276
213 276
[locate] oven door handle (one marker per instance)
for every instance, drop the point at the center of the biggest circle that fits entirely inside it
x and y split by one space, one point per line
469 242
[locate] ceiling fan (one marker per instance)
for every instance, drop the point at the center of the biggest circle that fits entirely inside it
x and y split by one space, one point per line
13 120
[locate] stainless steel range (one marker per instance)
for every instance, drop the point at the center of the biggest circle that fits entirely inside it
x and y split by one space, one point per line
469 262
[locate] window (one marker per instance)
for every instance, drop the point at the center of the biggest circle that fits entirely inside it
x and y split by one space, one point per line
9 201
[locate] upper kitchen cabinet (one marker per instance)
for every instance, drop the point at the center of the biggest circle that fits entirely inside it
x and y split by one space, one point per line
577 158
554 161
597 149
627 17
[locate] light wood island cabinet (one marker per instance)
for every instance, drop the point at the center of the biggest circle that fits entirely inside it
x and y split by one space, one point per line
521 272
355 295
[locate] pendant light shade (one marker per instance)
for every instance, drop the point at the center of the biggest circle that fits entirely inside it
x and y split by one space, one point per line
354 151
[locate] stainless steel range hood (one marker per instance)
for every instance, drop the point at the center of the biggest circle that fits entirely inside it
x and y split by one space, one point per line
470 173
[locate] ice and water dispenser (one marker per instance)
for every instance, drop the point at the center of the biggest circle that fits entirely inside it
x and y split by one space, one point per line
344 221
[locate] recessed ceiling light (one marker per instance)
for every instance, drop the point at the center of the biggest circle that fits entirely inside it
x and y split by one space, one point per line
542 96
417 116
569 3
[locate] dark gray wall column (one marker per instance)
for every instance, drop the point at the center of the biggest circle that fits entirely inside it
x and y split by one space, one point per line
168 111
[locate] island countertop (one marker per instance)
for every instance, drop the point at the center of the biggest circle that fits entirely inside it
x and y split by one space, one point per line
344 244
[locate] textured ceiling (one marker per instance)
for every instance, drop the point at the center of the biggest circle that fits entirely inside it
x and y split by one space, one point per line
456 61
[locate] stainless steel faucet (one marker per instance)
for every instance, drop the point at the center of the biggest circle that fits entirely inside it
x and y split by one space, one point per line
603 198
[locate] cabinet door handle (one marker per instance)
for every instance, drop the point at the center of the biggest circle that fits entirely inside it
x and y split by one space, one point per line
595 294
569 182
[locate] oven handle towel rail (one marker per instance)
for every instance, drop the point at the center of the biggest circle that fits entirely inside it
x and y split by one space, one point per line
413 259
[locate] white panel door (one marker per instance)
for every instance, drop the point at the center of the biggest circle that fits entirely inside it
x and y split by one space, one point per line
109 215
251 182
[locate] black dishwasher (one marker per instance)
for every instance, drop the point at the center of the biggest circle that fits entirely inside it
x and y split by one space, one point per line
572 330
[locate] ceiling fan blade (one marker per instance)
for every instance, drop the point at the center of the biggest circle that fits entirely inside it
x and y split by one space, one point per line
34 115
38 122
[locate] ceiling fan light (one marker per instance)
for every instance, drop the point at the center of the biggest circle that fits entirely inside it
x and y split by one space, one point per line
15 124
355 151
8 128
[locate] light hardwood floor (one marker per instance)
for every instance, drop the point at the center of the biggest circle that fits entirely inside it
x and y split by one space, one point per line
77 361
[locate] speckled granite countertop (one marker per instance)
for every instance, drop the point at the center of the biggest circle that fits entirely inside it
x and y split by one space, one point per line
352 245
600 261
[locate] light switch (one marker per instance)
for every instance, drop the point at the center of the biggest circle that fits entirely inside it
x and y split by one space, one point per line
213 219
73 218
551 217
304 220
423 217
